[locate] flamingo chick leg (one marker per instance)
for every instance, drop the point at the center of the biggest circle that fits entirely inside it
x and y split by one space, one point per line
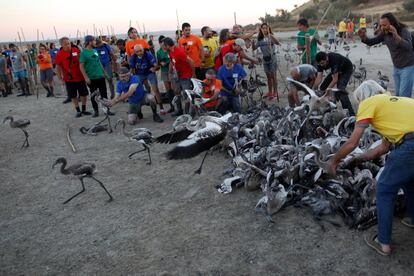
83 189
198 171
26 141
102 185
146 148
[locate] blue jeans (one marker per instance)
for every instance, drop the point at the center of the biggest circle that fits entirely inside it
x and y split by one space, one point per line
398 173
229 103
151 77
404 80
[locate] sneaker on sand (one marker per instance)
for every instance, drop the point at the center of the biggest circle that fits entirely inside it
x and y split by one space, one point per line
162 112
86 113
157 118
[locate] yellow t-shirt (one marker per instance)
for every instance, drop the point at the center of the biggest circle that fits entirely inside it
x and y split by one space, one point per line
362 22
392 117
342 27
209 47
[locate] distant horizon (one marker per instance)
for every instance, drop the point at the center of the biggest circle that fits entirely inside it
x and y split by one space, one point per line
38 18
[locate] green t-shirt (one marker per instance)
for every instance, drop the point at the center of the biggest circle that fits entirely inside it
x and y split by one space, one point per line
92 64
162 56
314 45
32 58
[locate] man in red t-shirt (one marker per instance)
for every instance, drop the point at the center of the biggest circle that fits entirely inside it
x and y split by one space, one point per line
193 48
180 72
68 71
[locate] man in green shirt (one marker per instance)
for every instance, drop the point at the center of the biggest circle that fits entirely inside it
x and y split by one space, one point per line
93 71
163 60
304 30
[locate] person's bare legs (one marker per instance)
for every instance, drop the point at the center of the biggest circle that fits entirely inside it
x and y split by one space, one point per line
157 95
269 85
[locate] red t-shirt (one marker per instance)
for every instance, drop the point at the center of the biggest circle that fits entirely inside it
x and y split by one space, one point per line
63 59
224 50
179 60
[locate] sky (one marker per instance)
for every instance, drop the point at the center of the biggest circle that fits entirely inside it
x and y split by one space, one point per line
72 15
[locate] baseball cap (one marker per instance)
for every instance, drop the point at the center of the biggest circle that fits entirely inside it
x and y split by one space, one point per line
123 70
240 42
88 39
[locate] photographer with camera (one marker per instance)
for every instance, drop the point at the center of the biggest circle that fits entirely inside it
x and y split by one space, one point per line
398 39
68 71
231 75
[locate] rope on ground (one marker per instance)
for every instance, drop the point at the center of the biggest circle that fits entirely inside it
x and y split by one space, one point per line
68 137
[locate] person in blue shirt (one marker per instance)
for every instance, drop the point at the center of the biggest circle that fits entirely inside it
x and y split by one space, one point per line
144 65
129 87
108 59
53 51
231 75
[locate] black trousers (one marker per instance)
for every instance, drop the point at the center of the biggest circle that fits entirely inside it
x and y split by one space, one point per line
342 94
98 84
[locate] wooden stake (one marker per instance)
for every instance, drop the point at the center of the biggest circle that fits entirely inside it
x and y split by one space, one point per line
37 34
24 38
43 38
107 29
70 141
235 18
56 34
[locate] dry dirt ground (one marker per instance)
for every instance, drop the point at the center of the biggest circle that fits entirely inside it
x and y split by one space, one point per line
164 220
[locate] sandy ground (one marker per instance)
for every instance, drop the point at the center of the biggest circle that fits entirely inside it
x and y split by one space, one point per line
164 220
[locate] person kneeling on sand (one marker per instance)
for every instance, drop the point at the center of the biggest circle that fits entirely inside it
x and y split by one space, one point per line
304 73
129 87
211 90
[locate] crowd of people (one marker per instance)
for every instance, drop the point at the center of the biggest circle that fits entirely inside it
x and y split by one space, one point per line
219 60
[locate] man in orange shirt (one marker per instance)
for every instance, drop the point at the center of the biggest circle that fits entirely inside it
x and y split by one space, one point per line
193 48
134 40
46 69
350 30
211 90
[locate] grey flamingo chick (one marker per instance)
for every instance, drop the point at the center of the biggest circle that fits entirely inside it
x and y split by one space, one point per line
20 124
81 170
142 136
106 106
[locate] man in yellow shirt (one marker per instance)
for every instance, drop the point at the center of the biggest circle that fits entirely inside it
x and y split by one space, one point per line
341 30
362 22
209 46
392 117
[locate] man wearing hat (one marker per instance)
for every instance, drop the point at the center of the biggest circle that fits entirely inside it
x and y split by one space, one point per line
93 71
129 87
230 74
236 48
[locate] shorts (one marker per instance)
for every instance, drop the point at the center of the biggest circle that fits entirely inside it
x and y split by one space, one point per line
164 76
270 67
181 85
108 70
20 74
331 41
46 75
73 88
151 77
341 34
136 108
3 79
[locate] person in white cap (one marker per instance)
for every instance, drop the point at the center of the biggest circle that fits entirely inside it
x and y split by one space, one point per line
236 48
392 117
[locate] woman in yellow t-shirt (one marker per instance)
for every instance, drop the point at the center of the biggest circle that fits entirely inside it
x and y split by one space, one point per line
392 117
